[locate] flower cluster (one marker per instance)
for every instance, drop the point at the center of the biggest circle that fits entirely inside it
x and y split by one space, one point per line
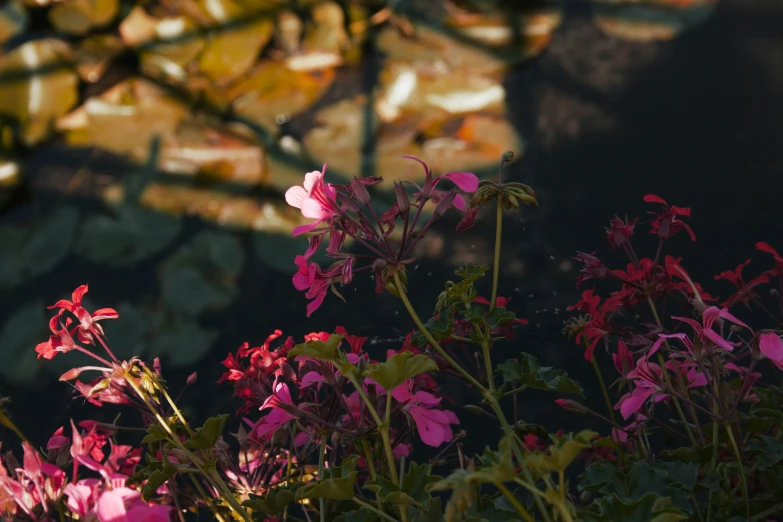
343 212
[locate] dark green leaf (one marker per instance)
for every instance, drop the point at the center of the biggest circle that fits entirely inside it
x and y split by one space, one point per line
439 328
433 514
398 369
26 327
561 454
155 433
207 435
157 478
487 510
274 502
414 487
331 488
770 451
471 272
527 370
358 515
696 454
649 508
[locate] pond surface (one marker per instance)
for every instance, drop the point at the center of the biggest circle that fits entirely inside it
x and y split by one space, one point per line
697 120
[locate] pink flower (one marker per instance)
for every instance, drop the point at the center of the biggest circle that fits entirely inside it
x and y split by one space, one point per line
619 231
37 484
745 290
465 181
771 346
316 199
704 331
277 415
647 379
316 281
434 426
623 359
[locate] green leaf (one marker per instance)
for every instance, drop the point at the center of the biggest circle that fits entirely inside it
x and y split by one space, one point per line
274 502
439 328
696 454
414 490
398 369
649 508
155 433
157 478
357 515
491 320
471 272
207 435
600 477
527 370
770 451
562 453
320 350
499 464
433 514
337 483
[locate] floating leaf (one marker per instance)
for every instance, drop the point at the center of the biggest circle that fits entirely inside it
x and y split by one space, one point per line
37 86
398 369
126 237
182 340
29 253
25 328
201 276
527 370
94 54
649 20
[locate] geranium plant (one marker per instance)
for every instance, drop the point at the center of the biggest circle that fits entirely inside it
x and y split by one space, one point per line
325 432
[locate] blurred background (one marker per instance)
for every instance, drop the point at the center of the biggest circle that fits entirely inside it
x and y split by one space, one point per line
145 147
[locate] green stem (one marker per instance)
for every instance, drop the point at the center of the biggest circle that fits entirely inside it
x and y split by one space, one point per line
171 402
488 365
212 475
493 402
737 455
321 454
514 502
368 456
496 266
774 510
604 390
375 510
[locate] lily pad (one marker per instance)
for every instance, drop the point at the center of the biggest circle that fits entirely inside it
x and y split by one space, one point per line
182 341
202 275
30 252
24 329
127 236
37 86
80 16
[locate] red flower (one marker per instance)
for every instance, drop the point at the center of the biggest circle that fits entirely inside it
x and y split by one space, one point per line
88 323
666 224
766 247
744 291
619 231
593 268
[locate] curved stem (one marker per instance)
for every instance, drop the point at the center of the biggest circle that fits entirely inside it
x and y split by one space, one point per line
375 510
496 267
514 502
737 455
321 454
603 389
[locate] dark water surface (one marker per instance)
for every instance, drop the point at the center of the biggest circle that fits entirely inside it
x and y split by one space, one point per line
698 121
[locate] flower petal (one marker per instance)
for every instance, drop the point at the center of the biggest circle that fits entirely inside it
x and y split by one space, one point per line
466 181
295 196
771 346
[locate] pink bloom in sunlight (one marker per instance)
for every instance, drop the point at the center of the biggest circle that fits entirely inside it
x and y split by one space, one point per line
316 199
464 181
771 346
434 426
277 415
88 322
61 340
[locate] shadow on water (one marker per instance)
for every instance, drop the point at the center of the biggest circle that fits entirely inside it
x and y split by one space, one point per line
699 123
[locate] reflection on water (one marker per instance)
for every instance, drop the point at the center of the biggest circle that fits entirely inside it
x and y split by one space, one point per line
213 109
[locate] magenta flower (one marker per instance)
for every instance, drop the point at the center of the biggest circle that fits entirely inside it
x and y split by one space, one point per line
88 322
316 199
35 484
771 346
465 181
647 379
704 331
666 224
316 281
434 426
623 359
277 416
90 500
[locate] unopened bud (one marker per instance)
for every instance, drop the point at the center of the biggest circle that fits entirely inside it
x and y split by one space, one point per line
508 156
359 191
403 201
192 378
444 204
571 406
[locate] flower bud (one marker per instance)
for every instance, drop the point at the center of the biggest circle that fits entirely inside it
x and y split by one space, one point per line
444 204
403 201
359 191
192 378
508 156
571 406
